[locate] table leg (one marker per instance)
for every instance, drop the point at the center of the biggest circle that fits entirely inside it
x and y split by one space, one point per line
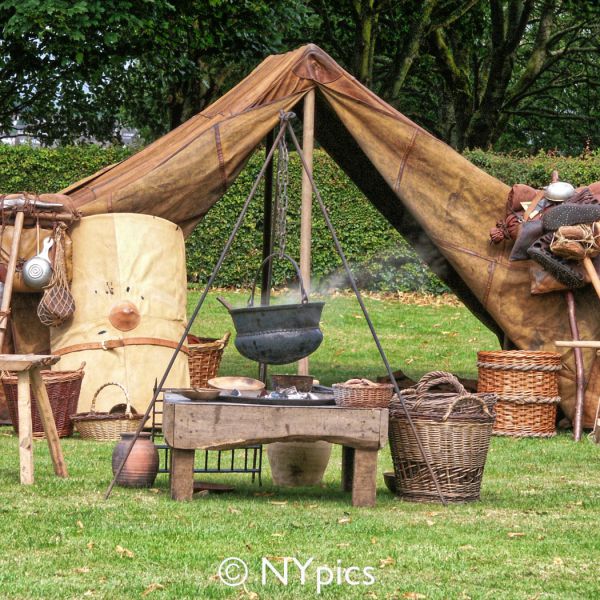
365 477
47 418
182 474
25 428
347 468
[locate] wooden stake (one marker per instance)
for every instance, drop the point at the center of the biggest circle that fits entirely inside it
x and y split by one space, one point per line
10 275
591 271
45 412
25 429
308 137
579 372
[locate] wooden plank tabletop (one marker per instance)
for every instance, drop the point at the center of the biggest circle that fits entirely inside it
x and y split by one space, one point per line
219 425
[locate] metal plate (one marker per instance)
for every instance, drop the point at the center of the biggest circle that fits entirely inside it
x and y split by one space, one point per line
321 400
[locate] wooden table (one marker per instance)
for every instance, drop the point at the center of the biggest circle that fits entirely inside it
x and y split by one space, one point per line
190 426
28 368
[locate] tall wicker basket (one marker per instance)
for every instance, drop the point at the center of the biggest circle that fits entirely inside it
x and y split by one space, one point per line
454 430
63 391
205 358
526 383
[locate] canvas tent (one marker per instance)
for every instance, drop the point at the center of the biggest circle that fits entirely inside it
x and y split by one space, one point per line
442 203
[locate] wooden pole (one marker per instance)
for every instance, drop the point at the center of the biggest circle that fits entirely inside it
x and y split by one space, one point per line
579 372
308 138
10 275
579 344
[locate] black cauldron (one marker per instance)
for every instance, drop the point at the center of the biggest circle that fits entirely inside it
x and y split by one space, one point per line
278 334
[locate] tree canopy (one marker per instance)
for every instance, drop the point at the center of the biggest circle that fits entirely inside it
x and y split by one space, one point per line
507 74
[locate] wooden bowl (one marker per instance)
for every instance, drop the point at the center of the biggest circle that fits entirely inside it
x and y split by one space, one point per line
200 394
242 384
390 481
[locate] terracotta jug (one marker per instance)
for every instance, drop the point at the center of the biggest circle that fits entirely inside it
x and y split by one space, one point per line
141 466
295 464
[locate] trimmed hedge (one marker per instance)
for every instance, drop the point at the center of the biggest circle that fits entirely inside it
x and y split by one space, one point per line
537 170
44 170
381 259
367 238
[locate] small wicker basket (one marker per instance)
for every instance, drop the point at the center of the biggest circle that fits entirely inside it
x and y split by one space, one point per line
106 427
454 430
204 358
362 393
63 389
526 383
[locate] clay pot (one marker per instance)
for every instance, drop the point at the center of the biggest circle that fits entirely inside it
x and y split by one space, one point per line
295 464
142 464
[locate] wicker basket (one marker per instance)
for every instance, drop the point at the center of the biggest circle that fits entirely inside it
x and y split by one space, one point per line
204 358
454 430
526 383
107 427
63 392
363 395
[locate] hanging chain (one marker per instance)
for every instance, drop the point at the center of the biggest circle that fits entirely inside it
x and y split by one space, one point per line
281 195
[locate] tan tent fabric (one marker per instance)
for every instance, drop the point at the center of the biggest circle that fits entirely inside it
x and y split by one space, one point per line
137 261
442 203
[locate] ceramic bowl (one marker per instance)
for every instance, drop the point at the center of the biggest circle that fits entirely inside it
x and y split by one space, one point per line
242 384
201 394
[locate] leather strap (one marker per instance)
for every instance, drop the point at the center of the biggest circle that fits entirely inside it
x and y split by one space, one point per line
536 200
120 343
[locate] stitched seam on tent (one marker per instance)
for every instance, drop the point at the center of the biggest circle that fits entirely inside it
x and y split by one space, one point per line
220 155
488 287
404 159
381 111
498 261
194 139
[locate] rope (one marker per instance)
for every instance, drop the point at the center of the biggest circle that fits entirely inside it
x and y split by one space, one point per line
587 239
525 368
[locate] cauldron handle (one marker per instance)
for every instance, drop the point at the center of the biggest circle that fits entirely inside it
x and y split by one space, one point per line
303 294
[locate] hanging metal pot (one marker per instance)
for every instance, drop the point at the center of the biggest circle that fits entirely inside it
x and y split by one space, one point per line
37 271
277 334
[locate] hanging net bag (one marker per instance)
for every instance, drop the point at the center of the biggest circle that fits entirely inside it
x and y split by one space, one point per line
57 304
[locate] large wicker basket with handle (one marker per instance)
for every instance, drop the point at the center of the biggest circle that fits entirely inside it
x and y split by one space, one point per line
454 429
526 383
204 358
63 389
107 427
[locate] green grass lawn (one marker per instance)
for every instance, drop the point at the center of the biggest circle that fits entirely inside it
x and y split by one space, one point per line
533 535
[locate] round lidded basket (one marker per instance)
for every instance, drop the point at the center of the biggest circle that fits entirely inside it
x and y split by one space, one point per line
455 431
526 383
107 427
362 393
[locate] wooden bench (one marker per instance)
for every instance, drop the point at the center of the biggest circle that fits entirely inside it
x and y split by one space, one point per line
190 426
28 367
